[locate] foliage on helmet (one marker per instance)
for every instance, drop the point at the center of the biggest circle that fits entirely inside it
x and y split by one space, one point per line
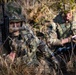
14 12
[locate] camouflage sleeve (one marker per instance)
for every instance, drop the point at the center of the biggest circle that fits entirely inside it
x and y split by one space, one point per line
32 47
31 41
34 42
74 23
52 36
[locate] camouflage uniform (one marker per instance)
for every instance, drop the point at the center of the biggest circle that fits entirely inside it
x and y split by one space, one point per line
25 43
60 30
43 45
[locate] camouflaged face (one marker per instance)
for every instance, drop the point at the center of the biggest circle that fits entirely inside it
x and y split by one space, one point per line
13 11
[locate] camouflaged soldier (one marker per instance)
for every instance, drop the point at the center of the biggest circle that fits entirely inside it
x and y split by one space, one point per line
61 31
62 27
43 45
22 40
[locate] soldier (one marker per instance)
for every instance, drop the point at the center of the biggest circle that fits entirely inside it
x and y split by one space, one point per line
43 45
62 30
62 27
21 39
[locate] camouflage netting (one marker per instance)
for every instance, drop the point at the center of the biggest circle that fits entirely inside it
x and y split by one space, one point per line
14 69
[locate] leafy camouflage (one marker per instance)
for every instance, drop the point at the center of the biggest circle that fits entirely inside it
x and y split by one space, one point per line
14 12
25 44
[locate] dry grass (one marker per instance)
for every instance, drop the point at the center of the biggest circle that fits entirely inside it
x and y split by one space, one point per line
7 68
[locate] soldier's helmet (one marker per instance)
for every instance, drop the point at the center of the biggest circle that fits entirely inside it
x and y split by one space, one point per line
14 12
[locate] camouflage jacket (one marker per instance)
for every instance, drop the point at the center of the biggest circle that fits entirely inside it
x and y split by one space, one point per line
25 43
60 30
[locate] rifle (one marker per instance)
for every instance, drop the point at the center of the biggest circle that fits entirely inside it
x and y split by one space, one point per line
4 26
68 47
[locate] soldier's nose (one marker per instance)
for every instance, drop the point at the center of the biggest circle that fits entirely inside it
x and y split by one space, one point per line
15 25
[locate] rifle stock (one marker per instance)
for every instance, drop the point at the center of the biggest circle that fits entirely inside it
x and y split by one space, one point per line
4 26
5 23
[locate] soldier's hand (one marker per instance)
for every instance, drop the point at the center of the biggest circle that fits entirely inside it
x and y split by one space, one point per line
66 40
11 56
74 38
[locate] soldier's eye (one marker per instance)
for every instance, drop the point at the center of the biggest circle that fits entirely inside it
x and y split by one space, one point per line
11 25
15 24
18 24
